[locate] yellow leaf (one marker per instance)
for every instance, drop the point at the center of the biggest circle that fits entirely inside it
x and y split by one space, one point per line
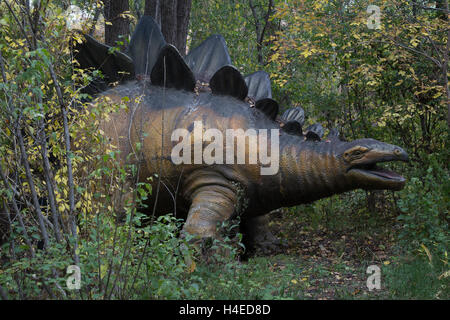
386 262
274 56
446 274
414 42
294 281
191 267
103 270
306 53
427 252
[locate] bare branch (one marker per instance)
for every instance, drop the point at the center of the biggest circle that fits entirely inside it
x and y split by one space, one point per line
19 24
68 160
399 44
260 32
34 196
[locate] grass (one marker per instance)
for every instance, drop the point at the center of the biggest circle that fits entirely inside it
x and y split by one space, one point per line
290 277
416 279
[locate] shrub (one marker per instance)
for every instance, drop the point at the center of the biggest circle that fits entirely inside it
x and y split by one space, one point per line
424 204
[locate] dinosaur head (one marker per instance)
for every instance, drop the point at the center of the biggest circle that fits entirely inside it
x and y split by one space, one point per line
360 160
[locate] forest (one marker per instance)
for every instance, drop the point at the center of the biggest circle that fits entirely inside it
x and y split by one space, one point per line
361 68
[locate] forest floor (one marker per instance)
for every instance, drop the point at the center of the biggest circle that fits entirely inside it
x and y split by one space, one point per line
333 263
321 263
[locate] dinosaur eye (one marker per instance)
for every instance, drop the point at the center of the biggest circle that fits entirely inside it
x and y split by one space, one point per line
359 152
354 153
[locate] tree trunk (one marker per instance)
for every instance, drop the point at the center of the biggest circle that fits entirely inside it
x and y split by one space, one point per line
445 67
153 9
261 25
173 17
94 21
117 28
169 20
183 14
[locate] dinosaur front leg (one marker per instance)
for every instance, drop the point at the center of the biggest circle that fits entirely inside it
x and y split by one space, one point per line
210 206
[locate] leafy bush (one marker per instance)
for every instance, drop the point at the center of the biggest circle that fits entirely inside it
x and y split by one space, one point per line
424 204
59 177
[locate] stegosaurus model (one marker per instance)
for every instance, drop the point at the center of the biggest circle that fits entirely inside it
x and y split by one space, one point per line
178 93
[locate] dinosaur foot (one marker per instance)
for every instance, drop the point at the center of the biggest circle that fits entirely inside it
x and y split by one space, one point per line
258 238
211 250
267 245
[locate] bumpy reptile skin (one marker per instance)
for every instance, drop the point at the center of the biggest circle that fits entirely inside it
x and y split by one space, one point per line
207 194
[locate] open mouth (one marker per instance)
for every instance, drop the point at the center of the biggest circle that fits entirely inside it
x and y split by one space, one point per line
374 177
380 172
365 169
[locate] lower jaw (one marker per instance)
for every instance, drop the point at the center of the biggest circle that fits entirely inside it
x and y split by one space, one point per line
370 182
384 185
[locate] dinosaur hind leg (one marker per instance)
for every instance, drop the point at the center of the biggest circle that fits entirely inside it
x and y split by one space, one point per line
258 238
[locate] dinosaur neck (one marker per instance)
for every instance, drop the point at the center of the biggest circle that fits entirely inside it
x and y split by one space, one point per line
309 171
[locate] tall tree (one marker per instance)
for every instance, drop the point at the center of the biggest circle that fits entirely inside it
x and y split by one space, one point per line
262 22
173 17
117 25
